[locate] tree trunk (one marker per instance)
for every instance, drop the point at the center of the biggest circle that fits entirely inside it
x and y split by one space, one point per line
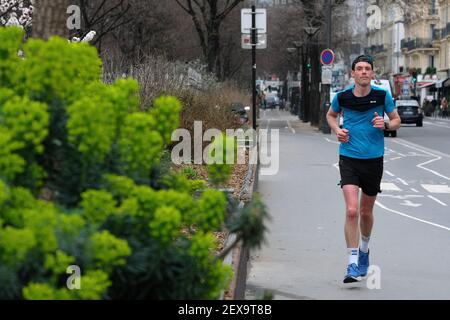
50 18
207 19
213 51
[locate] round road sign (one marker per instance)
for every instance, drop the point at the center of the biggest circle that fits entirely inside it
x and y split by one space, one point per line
327 57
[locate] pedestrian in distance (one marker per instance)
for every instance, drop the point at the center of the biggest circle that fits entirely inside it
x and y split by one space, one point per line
444 107
361 153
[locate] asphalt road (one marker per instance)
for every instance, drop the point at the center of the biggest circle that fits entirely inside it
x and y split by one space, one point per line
305 253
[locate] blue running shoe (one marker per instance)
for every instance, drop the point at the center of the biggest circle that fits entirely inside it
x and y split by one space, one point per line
363 262
353 274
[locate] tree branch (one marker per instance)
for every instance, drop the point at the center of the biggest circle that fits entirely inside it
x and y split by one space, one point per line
113 25
198 27
233 72
183 7
227 10
101 17
98 9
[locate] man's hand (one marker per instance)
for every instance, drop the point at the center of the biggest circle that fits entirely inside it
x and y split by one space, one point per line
378 121
342 135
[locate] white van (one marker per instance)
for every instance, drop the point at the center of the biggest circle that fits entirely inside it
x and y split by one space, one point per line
385 84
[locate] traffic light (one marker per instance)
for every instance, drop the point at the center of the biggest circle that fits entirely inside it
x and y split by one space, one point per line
308 66
414 76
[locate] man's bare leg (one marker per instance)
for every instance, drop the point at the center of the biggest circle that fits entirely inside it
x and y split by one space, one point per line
366 224
352 232
351 215
366 215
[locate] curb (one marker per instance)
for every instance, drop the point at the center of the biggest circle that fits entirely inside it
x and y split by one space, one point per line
238 257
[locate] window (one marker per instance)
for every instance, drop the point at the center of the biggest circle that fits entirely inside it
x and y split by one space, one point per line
432 8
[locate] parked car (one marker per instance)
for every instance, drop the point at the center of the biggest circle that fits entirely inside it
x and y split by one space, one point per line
410 112
272 102
240 112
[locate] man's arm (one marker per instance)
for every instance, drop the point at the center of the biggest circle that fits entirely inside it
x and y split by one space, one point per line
394 120
332 120
342 134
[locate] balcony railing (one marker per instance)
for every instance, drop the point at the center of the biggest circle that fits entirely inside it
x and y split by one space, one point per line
433 12
437 34
417 43
446 30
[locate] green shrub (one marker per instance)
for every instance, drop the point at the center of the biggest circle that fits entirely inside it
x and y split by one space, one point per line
222 156
134 228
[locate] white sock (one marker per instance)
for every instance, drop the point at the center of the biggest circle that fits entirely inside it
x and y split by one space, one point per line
352 255
365 244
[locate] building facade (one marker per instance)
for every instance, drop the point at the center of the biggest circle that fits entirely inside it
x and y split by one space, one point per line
384 40
421 52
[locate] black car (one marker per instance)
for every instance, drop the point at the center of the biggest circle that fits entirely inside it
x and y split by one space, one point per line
410 112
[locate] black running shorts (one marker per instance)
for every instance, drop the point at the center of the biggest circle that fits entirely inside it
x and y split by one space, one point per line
365 173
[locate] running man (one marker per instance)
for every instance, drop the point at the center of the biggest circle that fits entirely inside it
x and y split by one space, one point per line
361 157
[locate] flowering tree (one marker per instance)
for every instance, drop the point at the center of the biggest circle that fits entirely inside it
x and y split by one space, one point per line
16 13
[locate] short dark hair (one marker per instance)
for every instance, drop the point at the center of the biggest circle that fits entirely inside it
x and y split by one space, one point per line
362 58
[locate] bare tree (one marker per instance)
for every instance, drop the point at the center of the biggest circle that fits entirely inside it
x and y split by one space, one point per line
50 18
235 61
207 16
155 30
103 16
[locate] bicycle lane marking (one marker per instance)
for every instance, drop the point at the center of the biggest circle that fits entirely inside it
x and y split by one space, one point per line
433 154
378 203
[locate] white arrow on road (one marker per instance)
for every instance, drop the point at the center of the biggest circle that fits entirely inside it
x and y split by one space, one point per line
410 204
401 197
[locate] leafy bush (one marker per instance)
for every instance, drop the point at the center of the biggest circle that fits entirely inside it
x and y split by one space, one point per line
84 181
222 156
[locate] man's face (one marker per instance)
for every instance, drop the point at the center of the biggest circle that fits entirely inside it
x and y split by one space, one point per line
363 73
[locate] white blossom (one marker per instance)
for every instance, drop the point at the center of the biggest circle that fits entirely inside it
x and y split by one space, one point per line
89 36
16 13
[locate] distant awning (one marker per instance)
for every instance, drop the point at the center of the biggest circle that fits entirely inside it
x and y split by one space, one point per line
424 84
446 83
442 83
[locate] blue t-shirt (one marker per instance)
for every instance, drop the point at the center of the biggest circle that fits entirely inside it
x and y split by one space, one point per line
365 141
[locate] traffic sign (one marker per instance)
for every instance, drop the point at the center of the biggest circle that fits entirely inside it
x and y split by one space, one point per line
261 41
327 75
246 21
327 57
